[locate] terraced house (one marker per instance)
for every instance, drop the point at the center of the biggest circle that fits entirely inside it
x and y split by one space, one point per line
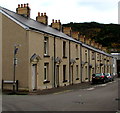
46 56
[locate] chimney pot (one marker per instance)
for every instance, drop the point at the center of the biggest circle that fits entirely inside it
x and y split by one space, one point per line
27 5
58 21
18 5
45 14
55 21
38 13
41 14
52 20
21 5
24 5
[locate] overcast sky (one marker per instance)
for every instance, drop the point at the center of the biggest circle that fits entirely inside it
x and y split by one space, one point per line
102 11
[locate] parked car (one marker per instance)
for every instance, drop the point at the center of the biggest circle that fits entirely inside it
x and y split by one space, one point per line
99 77
109 76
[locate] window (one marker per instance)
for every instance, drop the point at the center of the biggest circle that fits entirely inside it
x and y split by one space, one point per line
77 56
98 57
77 71
86 72
85 57
64 73
46 71
64 49
93 56
46 46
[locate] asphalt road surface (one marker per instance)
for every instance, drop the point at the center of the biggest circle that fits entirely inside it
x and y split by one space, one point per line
100 97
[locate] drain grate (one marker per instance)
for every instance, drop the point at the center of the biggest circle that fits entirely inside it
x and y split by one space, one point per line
78 102
117 99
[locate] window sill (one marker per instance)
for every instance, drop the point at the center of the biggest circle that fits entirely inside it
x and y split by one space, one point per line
64 57
64 81
45 82
77 58
77 78
46 56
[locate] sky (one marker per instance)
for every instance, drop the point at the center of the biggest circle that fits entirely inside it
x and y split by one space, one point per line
77 11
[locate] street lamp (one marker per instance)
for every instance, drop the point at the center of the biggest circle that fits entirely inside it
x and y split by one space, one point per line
14 64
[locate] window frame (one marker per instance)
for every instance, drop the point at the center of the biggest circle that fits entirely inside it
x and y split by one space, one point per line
46 73
46 46
64 73
64 49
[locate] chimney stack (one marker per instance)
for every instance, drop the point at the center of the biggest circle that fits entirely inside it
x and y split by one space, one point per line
43 18
97 45
75 35
67 30
56 24
82 38
23 10
100 46
104 49
93 43
88 41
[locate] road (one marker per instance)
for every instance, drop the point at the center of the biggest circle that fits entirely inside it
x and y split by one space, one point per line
101 97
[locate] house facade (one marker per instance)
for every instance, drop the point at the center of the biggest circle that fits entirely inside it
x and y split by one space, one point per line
47 56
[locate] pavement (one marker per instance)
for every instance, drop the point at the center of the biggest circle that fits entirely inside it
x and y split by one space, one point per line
52 90
68 88
62 89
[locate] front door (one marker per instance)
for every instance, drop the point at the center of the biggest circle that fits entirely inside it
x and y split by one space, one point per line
57 75
34 71
71 78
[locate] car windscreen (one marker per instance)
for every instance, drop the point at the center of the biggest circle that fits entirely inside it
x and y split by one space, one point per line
98 74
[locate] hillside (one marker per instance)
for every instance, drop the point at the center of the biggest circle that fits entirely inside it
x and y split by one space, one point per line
106 34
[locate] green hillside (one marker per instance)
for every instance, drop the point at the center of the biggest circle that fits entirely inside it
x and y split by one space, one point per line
106 34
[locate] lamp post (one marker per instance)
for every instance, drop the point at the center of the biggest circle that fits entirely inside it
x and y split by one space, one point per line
14 65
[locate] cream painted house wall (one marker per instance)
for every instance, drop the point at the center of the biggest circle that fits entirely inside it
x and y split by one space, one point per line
84 64
92 63
75 75
36 46
0 48
14 34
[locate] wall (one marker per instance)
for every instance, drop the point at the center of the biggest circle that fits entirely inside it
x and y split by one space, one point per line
75 55
36 45
65 60
85 64
0 48
15 34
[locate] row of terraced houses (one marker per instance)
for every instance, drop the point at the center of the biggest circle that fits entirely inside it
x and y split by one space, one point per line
48 56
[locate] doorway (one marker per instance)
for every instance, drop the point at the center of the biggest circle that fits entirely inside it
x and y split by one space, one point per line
71 78
57 75
34 77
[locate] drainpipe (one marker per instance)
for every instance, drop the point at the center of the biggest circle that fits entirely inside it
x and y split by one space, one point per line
95 62
54 62
69 64
89 65
81 61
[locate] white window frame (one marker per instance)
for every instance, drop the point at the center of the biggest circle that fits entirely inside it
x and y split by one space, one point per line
45 45
64 48
46 72
77 54
77 71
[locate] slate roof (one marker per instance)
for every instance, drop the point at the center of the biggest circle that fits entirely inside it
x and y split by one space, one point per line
29 23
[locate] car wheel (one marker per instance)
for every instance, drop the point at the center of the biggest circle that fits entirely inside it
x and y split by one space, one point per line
104 81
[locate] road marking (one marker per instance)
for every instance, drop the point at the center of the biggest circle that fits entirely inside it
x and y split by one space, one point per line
62 92
89 89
